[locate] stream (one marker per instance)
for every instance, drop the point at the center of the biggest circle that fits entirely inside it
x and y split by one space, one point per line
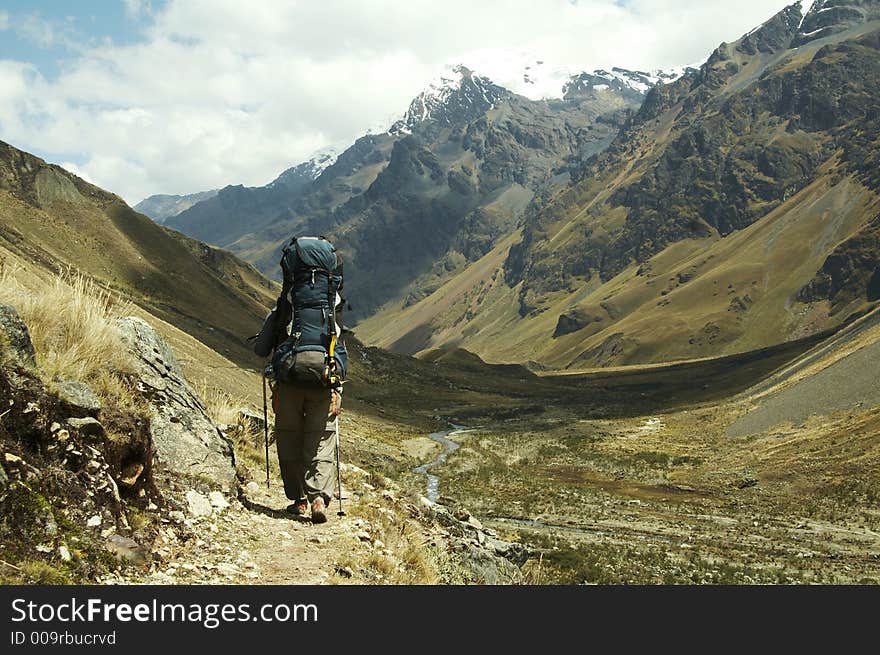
449 447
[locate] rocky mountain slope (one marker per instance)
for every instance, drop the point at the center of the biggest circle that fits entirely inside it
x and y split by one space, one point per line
459 167
734 210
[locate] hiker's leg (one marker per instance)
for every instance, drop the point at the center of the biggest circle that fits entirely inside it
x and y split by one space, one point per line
319 445
289 439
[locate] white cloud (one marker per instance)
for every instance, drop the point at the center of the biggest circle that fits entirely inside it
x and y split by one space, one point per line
224 92
137 8
37 30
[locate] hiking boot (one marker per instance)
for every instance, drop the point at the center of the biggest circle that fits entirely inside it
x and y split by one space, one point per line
318 514
299 508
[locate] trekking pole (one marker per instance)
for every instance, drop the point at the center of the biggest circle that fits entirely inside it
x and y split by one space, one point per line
338 474
266 429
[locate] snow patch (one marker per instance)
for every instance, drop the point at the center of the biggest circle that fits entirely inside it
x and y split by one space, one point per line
806 6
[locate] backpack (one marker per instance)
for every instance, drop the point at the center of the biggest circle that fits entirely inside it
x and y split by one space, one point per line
306 321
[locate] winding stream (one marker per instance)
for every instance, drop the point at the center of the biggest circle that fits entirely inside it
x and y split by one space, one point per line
449 447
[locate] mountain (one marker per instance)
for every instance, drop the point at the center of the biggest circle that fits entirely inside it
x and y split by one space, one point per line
736 209
460 167
55 221
162 206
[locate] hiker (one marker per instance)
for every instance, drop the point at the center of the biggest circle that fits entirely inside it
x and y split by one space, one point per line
308 364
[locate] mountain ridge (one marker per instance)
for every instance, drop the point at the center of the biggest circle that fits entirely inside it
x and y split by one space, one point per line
608 230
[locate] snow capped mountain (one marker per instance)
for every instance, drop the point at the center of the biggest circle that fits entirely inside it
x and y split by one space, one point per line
456 92
308 170
624 81
527 75
459 88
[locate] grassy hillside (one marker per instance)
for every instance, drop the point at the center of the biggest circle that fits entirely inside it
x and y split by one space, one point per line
54 221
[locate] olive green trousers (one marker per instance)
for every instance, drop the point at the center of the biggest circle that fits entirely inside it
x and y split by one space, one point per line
305 440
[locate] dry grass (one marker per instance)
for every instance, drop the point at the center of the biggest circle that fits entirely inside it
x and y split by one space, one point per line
71 321
246 434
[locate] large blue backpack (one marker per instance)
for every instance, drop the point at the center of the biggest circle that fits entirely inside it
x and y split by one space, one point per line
309 350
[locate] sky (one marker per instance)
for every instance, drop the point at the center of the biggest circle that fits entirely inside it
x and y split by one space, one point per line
178 96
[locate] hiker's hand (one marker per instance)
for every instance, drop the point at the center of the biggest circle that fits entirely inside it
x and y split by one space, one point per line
335 403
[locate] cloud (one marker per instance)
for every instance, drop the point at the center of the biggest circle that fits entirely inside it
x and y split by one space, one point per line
4 21
222 92
38 31
137 8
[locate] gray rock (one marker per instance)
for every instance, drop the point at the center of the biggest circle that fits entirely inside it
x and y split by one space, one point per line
4 479
487 568
127 549
513 552
198 504
14 336
186 440
87 426
218 500
77 396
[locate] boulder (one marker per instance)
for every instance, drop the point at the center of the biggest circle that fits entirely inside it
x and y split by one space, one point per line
186 440
14 336
78 396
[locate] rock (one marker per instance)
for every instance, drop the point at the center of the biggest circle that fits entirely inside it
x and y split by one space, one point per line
14 336
78 396
487 568
746 483
252 488
474 523
87 426
344 571
218 500
127 549
198 504
177 516
4 479
64 553
62 435
54 427
574 320
513 552
15 460
94 521
461 514
186 440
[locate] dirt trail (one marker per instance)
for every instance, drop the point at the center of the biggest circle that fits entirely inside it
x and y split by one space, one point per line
259 544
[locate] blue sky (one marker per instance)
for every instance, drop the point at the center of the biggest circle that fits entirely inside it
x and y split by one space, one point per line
178 96
50 33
